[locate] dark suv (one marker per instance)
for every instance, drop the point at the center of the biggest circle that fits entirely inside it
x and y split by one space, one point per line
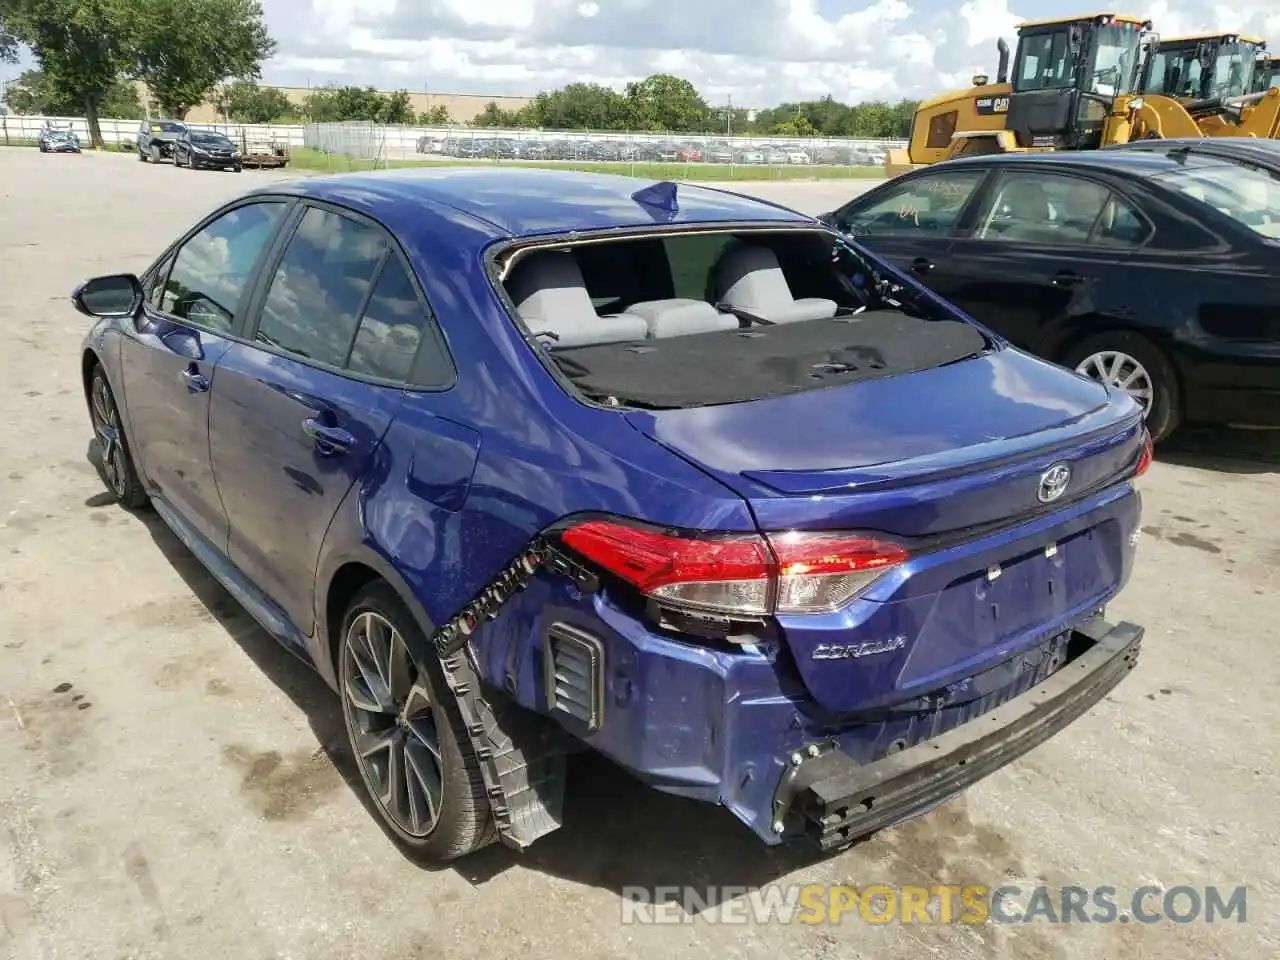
156 137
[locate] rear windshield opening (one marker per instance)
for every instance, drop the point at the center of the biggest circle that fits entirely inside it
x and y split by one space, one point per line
693 319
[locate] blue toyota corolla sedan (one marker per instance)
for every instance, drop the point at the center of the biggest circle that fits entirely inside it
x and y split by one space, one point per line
527 462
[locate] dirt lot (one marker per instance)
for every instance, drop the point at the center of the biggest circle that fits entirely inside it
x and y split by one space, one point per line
173 785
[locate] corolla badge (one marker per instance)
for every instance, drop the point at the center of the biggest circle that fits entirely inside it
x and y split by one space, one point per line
855 651
1053 483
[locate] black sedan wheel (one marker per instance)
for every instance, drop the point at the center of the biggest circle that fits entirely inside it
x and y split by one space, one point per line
1129 361
405 734
155 153
117 462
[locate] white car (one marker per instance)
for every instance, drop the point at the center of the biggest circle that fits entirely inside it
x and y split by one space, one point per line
797 156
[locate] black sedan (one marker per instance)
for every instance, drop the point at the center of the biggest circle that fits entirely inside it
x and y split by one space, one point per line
200 148
1152 271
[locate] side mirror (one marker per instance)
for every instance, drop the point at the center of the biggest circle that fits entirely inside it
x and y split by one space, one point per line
117 295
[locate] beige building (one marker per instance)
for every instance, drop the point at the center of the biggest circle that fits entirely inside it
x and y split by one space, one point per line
462 107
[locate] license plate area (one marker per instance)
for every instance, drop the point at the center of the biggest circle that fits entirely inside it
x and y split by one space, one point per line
987 609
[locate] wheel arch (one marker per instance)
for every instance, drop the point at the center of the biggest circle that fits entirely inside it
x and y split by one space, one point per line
342 578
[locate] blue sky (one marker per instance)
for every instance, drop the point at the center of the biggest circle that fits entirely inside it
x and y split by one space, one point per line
783 50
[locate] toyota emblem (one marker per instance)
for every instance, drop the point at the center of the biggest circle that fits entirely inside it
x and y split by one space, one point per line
1053 483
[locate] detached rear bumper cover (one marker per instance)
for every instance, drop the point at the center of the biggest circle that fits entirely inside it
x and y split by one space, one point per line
837 801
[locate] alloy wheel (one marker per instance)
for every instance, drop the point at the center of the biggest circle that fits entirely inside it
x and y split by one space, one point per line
106 425
1117 369
390 720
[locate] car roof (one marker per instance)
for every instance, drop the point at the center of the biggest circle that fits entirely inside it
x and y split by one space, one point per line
1250 148
1134 163
518 202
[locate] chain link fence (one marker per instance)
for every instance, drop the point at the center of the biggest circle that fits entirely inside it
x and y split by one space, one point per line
377 145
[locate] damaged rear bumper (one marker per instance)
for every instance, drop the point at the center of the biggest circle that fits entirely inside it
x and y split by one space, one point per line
828 796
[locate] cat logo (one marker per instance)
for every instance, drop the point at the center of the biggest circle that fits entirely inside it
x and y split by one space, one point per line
990 106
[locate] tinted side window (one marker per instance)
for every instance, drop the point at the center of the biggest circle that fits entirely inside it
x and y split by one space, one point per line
1057 209
391 328
925 205
213 268
315 297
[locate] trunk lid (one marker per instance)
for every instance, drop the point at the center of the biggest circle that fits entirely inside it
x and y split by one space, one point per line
915 455
952 462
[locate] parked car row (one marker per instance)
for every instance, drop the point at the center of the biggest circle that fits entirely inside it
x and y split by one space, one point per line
1150 267
672 150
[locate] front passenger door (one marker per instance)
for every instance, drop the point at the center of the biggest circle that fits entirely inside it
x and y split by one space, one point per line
911 222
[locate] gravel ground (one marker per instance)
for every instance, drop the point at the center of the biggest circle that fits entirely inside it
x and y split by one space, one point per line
172 784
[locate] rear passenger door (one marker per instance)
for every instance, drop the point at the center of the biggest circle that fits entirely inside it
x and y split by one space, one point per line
1045 257
300 409
911 223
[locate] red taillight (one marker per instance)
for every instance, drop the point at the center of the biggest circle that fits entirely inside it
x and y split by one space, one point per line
737 575
1145 458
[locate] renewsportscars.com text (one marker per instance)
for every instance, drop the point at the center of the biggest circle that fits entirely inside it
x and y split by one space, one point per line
944 903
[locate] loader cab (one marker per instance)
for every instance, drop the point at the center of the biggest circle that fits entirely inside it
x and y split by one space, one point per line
1266 72
1203 67
1067 75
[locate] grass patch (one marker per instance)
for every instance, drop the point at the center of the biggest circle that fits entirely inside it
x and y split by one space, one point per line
305 158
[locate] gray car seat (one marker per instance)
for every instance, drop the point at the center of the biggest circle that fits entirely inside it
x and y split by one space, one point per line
749 278
551 297
678 317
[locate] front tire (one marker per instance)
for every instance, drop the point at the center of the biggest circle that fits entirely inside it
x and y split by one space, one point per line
415 759
155 154
1128 360
117 469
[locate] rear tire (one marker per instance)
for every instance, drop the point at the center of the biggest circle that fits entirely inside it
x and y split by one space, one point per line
1132 357
400 715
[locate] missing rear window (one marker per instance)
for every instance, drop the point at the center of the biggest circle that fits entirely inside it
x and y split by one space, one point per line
717 317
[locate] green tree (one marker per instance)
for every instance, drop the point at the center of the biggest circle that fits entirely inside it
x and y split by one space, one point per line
396 108
437 116
335 104
186 47
83 47
664 102
578 106
494 116
8 42
246 102
34 95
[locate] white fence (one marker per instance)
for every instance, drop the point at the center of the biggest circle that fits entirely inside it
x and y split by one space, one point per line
381 142
19 129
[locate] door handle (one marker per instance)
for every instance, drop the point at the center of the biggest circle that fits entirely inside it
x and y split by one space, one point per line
328 440
1065 278
921 265
196 381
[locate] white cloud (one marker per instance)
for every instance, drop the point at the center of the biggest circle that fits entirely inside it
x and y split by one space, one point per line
759 53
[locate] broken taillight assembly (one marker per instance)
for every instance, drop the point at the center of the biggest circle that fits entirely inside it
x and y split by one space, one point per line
1147 455
736 575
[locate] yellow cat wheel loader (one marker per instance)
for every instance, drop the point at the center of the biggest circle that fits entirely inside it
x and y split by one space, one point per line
1213 76
1073 86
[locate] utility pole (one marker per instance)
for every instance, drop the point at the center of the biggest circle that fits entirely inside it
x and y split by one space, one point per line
728 119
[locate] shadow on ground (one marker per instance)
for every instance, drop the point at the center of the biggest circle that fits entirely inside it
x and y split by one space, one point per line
1223 449
618 832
